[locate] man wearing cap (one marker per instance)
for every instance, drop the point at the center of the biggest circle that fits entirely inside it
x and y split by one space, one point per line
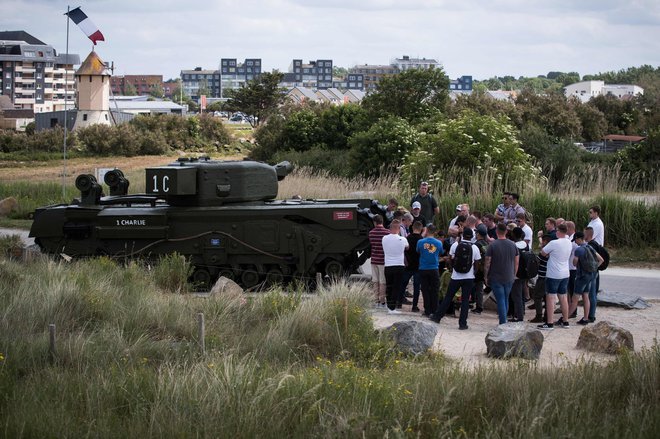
464 281
461 210
429 207
416 213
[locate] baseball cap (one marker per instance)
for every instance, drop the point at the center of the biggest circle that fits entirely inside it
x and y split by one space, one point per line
416 205
459 207
482 230
578 235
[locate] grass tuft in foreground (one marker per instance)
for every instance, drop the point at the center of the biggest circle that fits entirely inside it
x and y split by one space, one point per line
128 364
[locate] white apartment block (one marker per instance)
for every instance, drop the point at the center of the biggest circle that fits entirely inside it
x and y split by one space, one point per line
586 90
33 75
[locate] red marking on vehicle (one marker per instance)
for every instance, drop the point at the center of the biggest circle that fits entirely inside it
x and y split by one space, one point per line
342 215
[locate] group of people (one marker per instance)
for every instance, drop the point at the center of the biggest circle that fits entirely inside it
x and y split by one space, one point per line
485 253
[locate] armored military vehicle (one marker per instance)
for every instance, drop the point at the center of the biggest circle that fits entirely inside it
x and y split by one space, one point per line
222 215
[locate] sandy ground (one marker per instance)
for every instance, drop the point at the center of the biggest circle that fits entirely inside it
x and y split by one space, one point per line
558 346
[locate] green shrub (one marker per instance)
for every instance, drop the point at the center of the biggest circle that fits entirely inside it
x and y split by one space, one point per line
171 273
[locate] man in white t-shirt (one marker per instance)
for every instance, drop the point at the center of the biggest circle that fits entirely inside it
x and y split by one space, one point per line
558 252
394 246
460 278
597 224
521 221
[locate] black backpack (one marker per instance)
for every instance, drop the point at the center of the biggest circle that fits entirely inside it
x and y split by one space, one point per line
602 251
528 265
463 257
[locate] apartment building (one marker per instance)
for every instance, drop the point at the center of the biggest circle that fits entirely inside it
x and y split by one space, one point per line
143 84
33 75
231 76
234 74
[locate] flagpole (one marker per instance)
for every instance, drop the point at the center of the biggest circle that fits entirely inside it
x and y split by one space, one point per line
66 87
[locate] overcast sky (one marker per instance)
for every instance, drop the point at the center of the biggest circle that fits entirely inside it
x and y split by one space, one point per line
482 38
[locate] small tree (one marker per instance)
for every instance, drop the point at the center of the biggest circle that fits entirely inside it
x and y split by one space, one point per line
413 95
259 97
129 89
156 91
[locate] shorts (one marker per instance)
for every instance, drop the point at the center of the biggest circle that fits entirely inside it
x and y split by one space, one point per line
378 273
583 282
556 286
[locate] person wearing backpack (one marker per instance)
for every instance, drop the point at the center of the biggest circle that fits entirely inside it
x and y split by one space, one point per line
502 258
464 256
587 261
595 285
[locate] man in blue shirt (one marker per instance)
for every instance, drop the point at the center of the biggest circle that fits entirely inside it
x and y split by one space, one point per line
430 249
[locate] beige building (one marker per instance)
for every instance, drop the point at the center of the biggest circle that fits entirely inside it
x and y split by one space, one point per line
93 101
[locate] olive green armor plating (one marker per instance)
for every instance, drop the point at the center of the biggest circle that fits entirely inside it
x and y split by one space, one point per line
222 215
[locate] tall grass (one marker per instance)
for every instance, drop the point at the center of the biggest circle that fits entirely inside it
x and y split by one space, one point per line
128 365
630 219
311 183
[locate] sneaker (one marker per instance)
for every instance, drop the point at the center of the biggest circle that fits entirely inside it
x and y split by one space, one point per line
545 326
583 321
558 311
592 319
477 311
393 311
574 315
537 319
532 306
414 309
463 328
451 314
406 302
434 318
409 295
399 306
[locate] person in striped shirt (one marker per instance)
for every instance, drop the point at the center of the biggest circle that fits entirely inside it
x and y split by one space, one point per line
378 259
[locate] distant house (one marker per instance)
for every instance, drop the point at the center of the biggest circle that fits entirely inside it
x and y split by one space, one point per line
301 95
586 90
144 105
333 96
12 119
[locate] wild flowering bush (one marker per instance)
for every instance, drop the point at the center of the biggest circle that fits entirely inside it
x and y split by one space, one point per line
471 143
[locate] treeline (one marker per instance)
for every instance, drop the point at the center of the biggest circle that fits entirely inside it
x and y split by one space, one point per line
411 126
144 135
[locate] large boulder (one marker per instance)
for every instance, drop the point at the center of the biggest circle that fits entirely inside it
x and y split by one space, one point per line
7 205
226 287
624 300
412 336
605 337
514 340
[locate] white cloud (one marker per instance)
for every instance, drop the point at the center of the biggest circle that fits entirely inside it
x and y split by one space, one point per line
518 37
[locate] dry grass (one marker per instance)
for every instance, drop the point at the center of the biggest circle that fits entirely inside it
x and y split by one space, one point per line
309 183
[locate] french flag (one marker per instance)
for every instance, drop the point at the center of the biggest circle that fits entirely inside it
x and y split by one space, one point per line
86 25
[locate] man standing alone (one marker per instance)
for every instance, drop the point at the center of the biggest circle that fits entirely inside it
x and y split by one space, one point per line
500 269
429 207
394 246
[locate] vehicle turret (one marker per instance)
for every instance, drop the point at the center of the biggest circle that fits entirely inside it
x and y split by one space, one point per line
204 182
